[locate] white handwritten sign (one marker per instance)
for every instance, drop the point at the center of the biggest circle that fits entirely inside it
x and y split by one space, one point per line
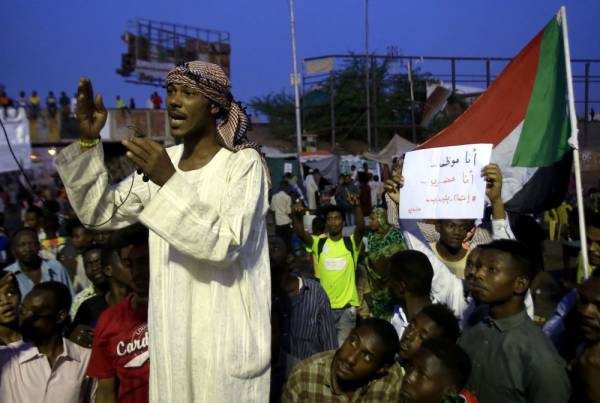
444 182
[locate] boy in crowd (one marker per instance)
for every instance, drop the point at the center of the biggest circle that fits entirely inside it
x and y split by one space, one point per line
434 321
450 247
93 270
437 373
120 358
10 299
30 269
81 239
310 327
586 366
118 287
362 369
302 322
34 219
337 257
409 283
512 359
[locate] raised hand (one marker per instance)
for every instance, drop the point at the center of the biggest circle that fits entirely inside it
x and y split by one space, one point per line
352 199
493 176
298 207
393 186
91 113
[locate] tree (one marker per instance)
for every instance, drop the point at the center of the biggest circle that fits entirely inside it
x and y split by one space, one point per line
390 103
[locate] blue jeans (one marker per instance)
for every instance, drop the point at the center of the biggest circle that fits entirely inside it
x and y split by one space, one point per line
350 218
345 321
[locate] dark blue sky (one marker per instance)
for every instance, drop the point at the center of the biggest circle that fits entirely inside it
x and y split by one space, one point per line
48 45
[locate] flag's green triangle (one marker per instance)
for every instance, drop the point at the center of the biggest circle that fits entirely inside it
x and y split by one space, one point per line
546 128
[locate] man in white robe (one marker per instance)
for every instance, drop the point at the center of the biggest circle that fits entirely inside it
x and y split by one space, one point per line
311 186
205 204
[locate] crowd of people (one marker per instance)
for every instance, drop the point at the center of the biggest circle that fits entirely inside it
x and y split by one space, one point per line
32 104
370 312
64 106
171 286
454 282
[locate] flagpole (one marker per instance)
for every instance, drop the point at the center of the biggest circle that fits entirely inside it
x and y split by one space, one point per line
574 142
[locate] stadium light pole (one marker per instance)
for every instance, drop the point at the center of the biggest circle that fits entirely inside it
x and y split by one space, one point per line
295 79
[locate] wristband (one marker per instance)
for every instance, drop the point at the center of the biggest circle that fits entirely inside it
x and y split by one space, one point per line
89 143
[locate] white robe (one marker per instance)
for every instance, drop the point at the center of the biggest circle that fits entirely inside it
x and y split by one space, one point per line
209 314
311 188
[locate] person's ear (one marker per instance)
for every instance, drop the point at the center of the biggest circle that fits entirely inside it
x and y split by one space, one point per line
437 227
401 286
214 109
107 270
398 286
62 316
521 285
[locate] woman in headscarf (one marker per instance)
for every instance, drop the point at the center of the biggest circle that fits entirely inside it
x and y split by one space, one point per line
383 242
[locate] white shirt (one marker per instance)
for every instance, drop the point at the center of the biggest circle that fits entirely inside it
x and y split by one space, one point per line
210 289
80 280
399 321
376 191
281 205
26 375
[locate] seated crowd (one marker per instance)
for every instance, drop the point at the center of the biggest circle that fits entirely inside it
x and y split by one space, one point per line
372 312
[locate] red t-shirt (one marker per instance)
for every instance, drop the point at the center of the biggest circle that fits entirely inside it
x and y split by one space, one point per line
120 349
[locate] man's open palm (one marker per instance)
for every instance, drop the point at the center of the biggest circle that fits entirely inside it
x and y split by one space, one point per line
91 113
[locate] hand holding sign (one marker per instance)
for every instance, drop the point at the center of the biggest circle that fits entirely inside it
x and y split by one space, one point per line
448 182
392 186
493 177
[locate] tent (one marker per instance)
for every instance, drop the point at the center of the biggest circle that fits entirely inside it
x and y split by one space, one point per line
279 164
326 162
397 147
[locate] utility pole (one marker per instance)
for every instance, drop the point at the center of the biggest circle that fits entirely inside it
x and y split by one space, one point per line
367 86
295 79
332 108
413 122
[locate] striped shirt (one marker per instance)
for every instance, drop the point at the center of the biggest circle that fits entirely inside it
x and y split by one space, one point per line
313 381
308 322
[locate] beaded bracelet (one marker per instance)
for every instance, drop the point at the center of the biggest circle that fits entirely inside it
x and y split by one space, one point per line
89 143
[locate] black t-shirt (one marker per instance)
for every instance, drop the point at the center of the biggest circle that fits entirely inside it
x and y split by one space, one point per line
90 310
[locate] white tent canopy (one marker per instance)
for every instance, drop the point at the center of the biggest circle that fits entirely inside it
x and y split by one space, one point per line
397 147
272 152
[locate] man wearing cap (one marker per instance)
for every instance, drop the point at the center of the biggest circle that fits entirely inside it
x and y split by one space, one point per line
204 202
